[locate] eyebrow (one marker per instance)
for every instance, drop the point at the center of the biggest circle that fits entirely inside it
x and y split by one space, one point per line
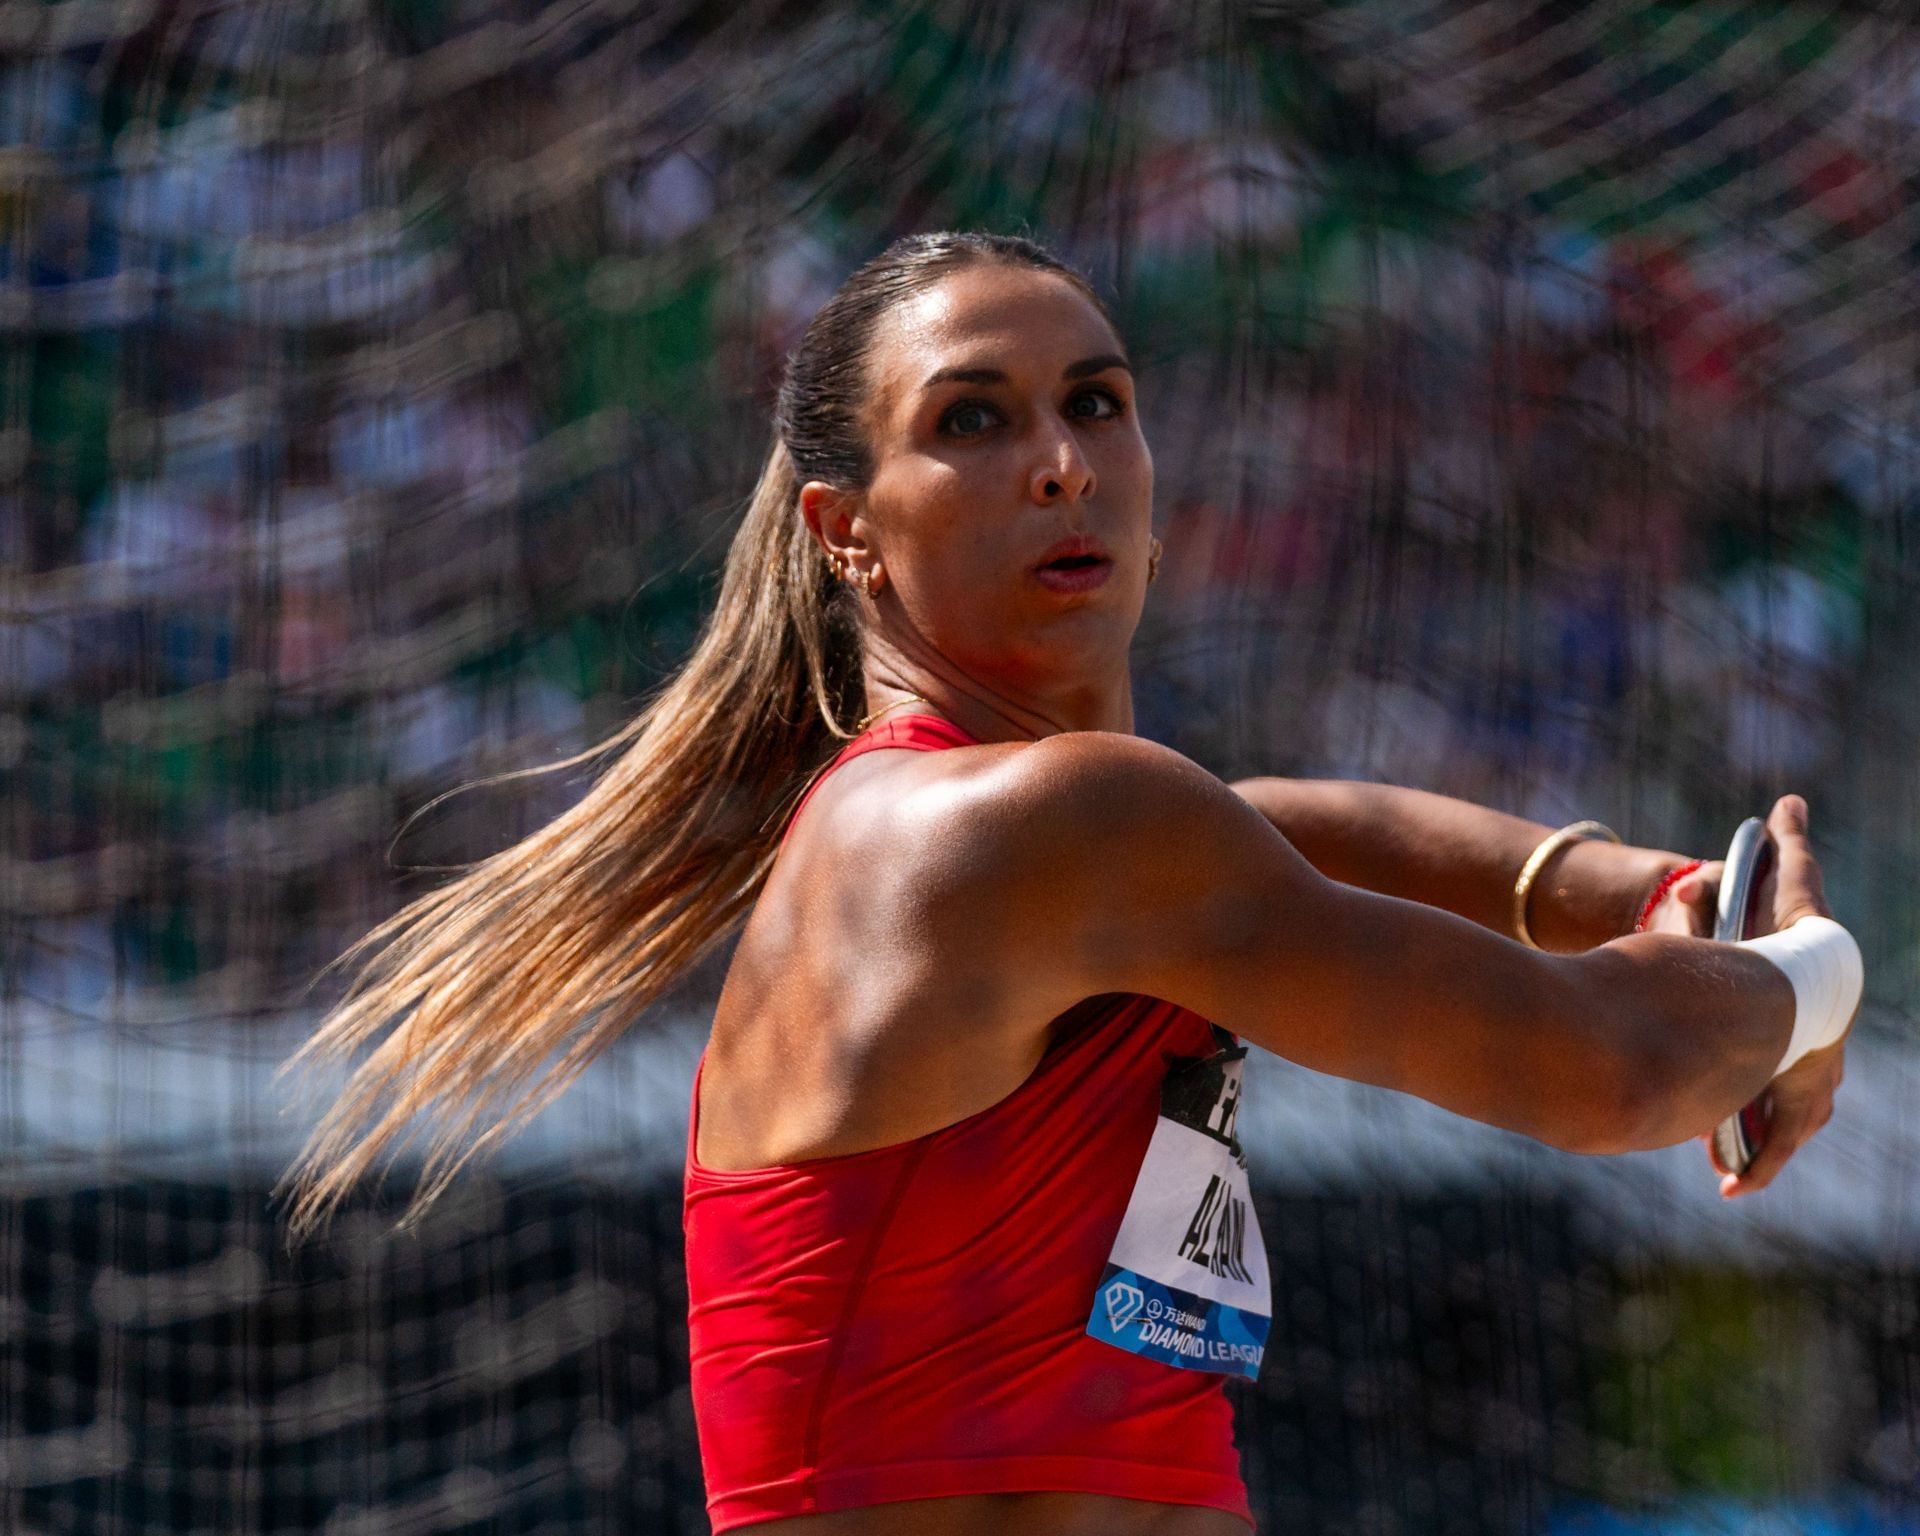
1080 370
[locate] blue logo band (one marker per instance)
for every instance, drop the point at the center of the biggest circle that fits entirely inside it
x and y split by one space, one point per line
1144 1317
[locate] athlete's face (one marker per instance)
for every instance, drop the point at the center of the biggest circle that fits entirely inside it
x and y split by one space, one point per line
1000 412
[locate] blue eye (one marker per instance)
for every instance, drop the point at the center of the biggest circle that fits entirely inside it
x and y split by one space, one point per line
968 418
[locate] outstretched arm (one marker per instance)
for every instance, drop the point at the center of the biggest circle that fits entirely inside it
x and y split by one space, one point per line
1089 863
1460 857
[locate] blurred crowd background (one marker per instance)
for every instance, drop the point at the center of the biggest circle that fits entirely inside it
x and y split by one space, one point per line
1533 388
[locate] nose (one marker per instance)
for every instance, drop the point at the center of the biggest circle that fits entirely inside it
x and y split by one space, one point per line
1065 475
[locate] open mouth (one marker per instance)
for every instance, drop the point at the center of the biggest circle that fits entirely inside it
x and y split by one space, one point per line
1074 573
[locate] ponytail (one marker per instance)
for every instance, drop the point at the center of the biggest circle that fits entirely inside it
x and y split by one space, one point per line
503 984
495 990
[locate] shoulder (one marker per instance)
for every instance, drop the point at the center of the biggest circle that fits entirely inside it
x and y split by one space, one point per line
1101 857
1026 876
952 808
1047 786
1079 790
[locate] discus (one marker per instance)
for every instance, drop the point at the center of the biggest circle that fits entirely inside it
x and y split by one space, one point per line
1738 1138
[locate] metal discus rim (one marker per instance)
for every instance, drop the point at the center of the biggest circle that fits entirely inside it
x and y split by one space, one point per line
1736 1138
1748 858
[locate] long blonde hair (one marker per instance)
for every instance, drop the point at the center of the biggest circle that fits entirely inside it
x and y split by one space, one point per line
496 989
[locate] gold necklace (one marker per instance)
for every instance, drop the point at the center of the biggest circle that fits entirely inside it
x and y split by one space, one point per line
912 698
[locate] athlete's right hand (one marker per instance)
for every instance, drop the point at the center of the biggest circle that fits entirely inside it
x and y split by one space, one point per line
1689 906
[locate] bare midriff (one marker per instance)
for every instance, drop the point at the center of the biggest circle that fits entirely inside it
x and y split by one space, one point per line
1014 1514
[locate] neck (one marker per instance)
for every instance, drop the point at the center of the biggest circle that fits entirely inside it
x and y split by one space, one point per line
989 715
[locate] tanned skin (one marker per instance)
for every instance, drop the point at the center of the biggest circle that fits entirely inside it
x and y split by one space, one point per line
935 913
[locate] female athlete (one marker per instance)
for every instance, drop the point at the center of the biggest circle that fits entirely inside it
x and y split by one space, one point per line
969 1245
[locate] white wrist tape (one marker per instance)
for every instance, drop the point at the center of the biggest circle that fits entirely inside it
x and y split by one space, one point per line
1823 963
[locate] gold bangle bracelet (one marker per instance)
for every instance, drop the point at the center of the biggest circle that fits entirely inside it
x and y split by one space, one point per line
1537 861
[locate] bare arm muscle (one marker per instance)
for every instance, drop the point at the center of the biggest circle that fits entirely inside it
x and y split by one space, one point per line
1459 856
1091 862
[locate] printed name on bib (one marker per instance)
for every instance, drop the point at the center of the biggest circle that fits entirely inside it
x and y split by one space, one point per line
1186 1282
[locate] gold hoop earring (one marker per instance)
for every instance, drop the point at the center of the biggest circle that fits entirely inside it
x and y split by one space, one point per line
1153 562
866 583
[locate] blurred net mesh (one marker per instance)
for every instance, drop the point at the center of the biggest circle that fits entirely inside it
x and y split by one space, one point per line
1533 394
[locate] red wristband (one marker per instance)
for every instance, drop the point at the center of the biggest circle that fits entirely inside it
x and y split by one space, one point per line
1667 882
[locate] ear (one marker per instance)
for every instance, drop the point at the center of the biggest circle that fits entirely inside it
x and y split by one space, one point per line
830 514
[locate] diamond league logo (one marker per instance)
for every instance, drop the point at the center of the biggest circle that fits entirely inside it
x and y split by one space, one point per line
1123 1304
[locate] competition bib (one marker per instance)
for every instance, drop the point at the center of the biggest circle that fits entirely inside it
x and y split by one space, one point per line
1186 1281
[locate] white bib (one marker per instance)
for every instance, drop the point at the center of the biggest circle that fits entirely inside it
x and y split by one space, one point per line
1186 1282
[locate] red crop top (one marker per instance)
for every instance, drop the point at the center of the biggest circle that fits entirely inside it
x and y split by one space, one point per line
983 1309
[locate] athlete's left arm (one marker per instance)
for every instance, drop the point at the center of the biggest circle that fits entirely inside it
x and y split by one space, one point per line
1464 858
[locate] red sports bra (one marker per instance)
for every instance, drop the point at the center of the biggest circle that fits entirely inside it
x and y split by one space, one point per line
1045 1295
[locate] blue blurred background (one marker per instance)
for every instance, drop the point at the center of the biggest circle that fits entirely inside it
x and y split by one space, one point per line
1533 388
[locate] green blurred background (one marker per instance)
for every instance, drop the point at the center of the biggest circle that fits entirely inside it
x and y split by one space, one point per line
1533 394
